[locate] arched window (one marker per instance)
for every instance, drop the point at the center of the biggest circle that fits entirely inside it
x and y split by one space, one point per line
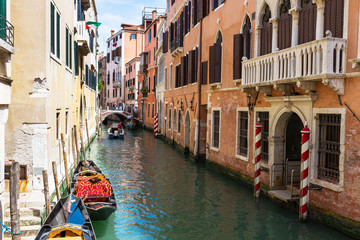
247 38
285 25
334 17
266 32
307 21
175 118
215 55
179 122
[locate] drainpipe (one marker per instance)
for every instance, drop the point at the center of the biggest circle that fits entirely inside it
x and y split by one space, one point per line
199 90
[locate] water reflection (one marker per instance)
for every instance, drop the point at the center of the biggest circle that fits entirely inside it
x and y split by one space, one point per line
163 195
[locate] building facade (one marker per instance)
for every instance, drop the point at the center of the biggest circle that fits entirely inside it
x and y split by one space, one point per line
131 85
53 93
284 63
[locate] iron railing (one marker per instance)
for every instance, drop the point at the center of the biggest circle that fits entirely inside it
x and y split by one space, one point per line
6 31
176 43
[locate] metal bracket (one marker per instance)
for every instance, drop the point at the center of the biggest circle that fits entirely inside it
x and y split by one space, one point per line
314 187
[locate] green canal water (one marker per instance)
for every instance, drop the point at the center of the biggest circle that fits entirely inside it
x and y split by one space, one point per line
162 194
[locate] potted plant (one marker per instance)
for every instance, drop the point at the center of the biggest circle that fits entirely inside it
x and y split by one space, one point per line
144 90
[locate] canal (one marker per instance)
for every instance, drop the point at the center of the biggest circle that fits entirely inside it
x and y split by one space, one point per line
162 194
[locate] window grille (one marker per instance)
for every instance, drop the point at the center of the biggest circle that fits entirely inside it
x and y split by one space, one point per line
264 120
216 129
242 134
329 147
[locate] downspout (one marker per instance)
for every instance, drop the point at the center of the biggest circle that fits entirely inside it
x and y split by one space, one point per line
199 90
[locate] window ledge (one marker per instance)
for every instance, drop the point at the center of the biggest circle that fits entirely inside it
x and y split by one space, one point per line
196 24
241 157
215 149
328 185
220 6
67 68
56 59
213 86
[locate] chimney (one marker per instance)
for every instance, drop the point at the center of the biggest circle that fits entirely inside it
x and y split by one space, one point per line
112 32
153 15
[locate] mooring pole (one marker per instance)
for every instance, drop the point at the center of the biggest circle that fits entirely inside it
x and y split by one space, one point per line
258 128
76 144
73 146
304 181
46 192
156 125
58 195
65 163
87 133
14 199
82 145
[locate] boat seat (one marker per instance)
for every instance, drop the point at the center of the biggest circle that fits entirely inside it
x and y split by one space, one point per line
67 238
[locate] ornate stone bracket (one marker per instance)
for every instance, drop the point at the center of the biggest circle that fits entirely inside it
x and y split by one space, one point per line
336 84
307 86
250 91
265 90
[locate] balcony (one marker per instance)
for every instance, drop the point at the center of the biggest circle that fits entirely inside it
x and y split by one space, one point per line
83 38
116 84
7 35
176 46
319 60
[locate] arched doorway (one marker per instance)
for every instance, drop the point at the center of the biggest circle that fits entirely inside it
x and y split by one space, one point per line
187 132
287 150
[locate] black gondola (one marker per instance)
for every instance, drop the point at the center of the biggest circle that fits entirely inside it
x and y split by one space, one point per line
69 219
89 183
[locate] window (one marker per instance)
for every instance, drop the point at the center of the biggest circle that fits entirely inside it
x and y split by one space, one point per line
165 79
154 83
284 25
329 147
216 129
215 55
154 30
174 119
152 111
154 53
334 17
242 143
108 78
68 50
169 118
66 122
216 3
264 121
307 21
149 35
179 122
170 79
148 110
133 36
266 33
177 76
54 31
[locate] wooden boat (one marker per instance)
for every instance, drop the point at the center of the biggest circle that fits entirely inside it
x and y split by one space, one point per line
114 132
68 220
89 183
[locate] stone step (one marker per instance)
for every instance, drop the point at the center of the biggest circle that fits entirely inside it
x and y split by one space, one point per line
26 231
26 212
25 221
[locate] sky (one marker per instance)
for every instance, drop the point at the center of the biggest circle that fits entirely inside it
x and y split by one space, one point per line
112 13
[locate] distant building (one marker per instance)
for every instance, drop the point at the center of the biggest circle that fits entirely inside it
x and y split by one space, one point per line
131 84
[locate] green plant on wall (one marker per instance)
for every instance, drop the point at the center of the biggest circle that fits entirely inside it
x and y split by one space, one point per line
100 85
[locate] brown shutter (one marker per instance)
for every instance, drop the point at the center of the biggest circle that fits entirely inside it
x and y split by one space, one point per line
189 15
207 7
191 67
201 9
193 13
238 54
307 23
165 41
334 17
212 64
183 68
196 63
213 6
186 11
204 69
218 54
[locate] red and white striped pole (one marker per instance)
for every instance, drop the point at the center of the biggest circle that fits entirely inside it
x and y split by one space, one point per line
258 128
304 181
156 125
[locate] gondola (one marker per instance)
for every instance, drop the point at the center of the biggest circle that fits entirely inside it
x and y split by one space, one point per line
89 183
68 220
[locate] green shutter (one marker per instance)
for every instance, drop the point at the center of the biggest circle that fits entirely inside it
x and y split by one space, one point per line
70 48
76 56
52 46
58 35
3 20
67 46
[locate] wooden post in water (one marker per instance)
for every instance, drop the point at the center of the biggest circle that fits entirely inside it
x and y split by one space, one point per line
65 163
56 181
46 192
14 199
76 144
82 145
87 133
73 146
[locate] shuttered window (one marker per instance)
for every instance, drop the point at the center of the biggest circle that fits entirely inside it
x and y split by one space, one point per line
238 53
216 129
334 17
67 47
307 22
179 122
247 38
169 118
58 35
266 33
215 55
177 76
206 8
52 20
216 3
191 70
204 69
108 57
242 144
284 26
76 58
